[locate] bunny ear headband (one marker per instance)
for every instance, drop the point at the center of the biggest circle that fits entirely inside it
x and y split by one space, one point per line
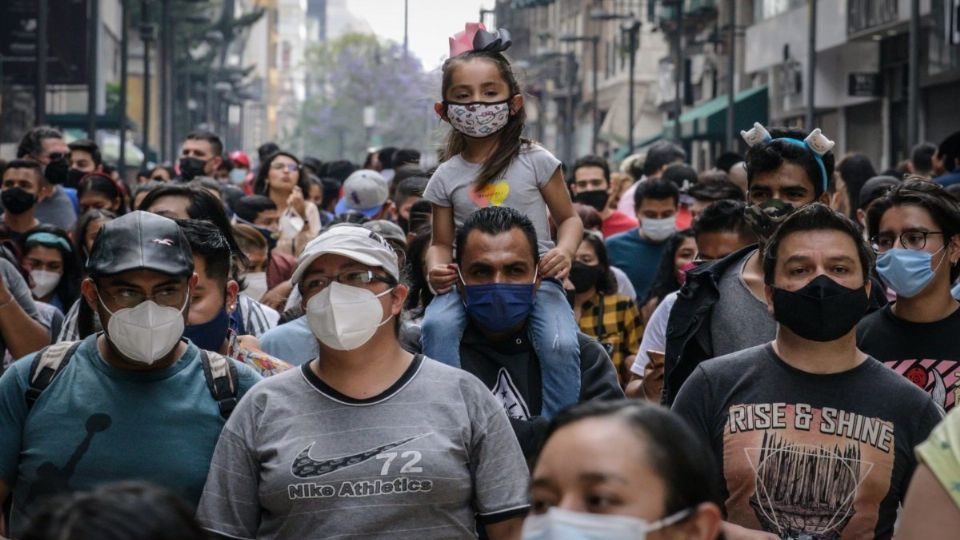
475 37
816 142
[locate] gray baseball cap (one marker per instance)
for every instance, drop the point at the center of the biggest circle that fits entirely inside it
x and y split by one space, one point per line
354 242
140 241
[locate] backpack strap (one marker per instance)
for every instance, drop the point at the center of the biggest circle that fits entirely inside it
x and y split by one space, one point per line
47 364
221 376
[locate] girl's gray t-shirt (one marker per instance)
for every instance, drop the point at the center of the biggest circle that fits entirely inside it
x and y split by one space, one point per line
453 185
424 459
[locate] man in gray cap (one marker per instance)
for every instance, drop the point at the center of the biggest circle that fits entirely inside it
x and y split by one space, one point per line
135 402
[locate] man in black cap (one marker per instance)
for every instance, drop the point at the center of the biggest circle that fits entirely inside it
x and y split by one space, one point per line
135 402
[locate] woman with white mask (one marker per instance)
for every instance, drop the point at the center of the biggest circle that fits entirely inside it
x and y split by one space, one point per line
48 256
615 470
368 439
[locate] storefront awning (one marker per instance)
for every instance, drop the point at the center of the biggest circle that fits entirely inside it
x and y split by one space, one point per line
708 120
524 4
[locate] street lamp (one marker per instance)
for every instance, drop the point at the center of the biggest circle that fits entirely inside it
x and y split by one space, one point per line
594 41
632 31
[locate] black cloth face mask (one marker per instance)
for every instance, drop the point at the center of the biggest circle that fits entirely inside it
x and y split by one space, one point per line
597 199
823 310
56 171
583 276
191 167
17 201
73 178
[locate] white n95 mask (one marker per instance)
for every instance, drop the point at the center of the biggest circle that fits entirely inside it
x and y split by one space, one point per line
344 317
44 282
147 332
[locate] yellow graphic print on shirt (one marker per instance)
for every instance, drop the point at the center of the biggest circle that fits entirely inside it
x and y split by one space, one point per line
491 194
801 472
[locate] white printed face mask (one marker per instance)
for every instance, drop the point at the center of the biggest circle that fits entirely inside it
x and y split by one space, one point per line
344 317
658 230
478 119
44 282
558 524
146 333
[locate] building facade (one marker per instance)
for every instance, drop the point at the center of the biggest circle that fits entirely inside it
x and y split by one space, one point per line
553 48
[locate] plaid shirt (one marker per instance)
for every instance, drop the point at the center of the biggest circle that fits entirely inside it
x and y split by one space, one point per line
614 320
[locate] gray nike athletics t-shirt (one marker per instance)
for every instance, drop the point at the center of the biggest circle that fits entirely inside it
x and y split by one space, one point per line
424 459
453 185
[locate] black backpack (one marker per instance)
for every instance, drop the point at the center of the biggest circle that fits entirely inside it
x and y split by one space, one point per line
218 370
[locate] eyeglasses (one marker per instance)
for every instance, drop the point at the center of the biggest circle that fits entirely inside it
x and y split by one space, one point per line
353 278
290 167
56 156
174 297
915 240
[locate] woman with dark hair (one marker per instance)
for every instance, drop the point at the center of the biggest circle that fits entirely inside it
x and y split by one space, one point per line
161 173
97 190
416 277
280 179
612 318
86 230
677 259
854 170
52 262
80 321
648 473
117 511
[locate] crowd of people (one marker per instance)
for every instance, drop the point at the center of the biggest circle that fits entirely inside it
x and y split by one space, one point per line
506 347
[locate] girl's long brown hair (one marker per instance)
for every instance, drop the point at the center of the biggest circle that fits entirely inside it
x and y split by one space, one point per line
509 138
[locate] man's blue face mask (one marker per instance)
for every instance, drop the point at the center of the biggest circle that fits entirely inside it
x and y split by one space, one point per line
499 307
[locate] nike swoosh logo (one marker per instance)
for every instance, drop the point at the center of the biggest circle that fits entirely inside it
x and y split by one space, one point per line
306 467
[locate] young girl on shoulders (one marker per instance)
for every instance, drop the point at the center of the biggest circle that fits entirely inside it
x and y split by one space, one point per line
487 162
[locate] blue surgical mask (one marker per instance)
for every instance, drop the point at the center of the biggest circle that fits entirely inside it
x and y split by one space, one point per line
238 176
907 271
209 336
499 307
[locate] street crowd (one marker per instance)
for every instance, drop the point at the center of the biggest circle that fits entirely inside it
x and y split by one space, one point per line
280 347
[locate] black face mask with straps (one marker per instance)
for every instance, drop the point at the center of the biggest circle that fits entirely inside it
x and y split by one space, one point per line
822 310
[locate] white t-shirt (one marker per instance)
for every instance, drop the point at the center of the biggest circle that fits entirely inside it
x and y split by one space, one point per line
624 286
452 185
655 334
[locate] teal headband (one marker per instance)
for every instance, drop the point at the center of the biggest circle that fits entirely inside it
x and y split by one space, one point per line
49 239
815 143
816 156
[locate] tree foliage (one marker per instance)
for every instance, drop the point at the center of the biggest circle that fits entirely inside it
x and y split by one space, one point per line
356 71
